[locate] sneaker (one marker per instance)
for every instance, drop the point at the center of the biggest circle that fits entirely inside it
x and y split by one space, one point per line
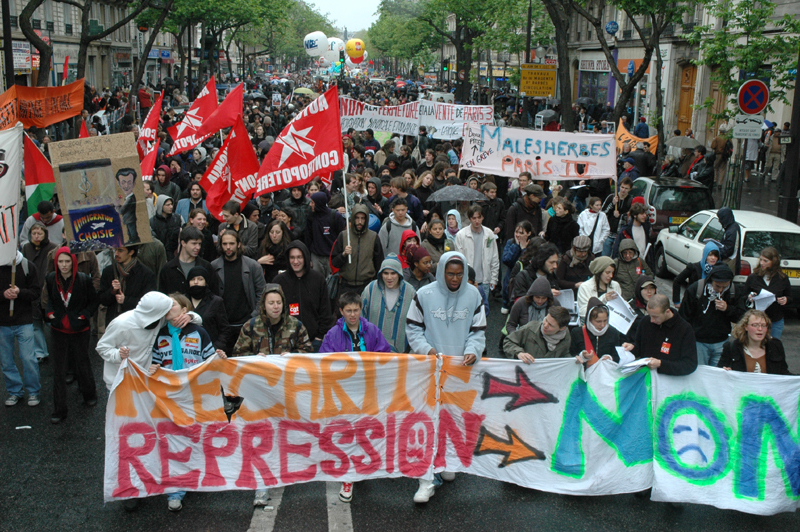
449 476
174 505
504 310
425 491
12 400
346 493
33 400
262 498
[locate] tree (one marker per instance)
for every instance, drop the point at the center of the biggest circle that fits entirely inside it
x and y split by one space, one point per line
159 23
45 50
560 12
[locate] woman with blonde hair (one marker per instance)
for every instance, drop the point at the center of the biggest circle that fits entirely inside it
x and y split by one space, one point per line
752 349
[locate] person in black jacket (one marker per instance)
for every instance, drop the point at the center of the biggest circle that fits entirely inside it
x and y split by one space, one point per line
543 264
711 305
751 349
272 252
199 220
322 227
166 225
597 338
173 276
616 207
494 212
209 306
694 271
665 339
769 276
71 302
573 268
730 250
562 228
123 283
306 293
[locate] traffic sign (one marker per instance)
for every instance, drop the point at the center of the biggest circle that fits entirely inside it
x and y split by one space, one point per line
538 79
753 96
462 74
612 27
747 127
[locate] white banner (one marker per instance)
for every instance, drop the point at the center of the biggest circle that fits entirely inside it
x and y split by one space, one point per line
545 154
720 438
728 439
10 181
443 120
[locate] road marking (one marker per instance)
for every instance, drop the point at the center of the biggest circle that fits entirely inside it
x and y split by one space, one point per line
264 520
339 517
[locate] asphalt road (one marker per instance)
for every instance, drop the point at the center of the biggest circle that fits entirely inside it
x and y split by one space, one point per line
52 476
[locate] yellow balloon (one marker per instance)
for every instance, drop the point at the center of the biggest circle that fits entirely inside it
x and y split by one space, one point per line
354 48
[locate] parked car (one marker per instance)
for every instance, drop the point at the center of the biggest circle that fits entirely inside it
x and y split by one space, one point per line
677 246
670 200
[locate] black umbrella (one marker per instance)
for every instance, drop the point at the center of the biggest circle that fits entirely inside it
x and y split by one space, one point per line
553 101
456 193
585 100
548 115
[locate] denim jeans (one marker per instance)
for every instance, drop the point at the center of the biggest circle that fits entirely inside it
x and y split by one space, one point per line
708 354
777 329
30 366
177 495
39 339
608 245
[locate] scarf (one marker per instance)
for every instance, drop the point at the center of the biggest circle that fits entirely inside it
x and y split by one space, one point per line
575 261
536 312
595 331
713 295
125 271
706 269
553 339
438 243
64 292
177 354
452 231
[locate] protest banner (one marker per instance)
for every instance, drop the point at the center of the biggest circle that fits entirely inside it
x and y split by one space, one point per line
184 133
102 198
448 121
40 106
721 438
625 137
11 154
545 154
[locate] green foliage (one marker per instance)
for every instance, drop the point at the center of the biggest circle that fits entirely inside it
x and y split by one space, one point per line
752 41
398 33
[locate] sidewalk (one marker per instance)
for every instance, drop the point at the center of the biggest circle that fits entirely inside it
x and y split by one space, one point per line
756 196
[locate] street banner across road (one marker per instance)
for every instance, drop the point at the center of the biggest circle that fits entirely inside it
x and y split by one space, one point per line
443 120
545 154
721 438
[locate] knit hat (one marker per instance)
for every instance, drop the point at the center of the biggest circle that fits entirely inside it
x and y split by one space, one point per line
599 264
720 272
199 271
581 242
638 199
629 160
419 253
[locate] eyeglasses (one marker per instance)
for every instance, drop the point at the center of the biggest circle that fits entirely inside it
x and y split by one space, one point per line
454 275
757 325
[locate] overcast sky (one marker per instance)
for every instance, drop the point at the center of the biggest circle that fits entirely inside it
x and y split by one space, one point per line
353 14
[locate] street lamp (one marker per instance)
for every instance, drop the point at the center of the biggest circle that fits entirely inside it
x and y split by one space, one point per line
541 51
504 57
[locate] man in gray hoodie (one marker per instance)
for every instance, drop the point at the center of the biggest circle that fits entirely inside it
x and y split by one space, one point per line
447 317
391 232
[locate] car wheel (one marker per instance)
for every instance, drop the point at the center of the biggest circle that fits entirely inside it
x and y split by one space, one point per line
661 263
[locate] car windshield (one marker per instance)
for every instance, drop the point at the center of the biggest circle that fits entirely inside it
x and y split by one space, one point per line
787 243
683 199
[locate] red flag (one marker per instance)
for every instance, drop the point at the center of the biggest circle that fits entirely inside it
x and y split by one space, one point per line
84 134
66 71
309 146
150 125
226 113
232 174
185 132
148 164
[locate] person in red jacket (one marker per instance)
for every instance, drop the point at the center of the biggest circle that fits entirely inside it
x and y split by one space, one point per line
70 302
145 101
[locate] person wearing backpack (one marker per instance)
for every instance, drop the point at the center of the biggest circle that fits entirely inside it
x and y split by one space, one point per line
391 233
711 306
273 332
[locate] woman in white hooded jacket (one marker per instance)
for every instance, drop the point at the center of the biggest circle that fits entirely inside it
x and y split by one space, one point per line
131 334
594 224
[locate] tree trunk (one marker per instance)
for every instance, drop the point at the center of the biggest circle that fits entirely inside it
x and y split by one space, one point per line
662 149
45 50
83 52
560 14
137 78
201 60
182 54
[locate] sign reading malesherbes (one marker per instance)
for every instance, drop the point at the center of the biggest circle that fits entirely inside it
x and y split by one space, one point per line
99 185
545 154
538 80
747 126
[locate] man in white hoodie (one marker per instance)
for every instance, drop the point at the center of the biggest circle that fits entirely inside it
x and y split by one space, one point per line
132 334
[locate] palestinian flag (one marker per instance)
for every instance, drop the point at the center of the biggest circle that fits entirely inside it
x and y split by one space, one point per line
39 180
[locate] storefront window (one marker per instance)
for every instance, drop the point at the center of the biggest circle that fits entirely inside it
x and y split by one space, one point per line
594 85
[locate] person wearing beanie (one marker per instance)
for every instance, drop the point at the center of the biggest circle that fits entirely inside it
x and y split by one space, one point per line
209 306
71 301
645 289
601 285
711 306
532 307
418 273
386 302
629 169
573 268
641 130
597 338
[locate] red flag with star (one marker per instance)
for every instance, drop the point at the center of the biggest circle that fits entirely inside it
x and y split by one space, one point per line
309 146
225 115
184 133
232 173
149 127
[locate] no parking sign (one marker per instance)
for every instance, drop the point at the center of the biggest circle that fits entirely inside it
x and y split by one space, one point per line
753 96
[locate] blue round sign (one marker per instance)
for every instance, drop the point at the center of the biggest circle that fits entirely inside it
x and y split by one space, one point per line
612 27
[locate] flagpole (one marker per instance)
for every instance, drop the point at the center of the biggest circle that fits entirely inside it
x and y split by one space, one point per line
13 281
347 217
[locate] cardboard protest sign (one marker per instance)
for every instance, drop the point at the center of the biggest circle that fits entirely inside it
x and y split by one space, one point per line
545 154
102 198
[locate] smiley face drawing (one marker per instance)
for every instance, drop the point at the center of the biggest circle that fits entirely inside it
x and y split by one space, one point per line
693 439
